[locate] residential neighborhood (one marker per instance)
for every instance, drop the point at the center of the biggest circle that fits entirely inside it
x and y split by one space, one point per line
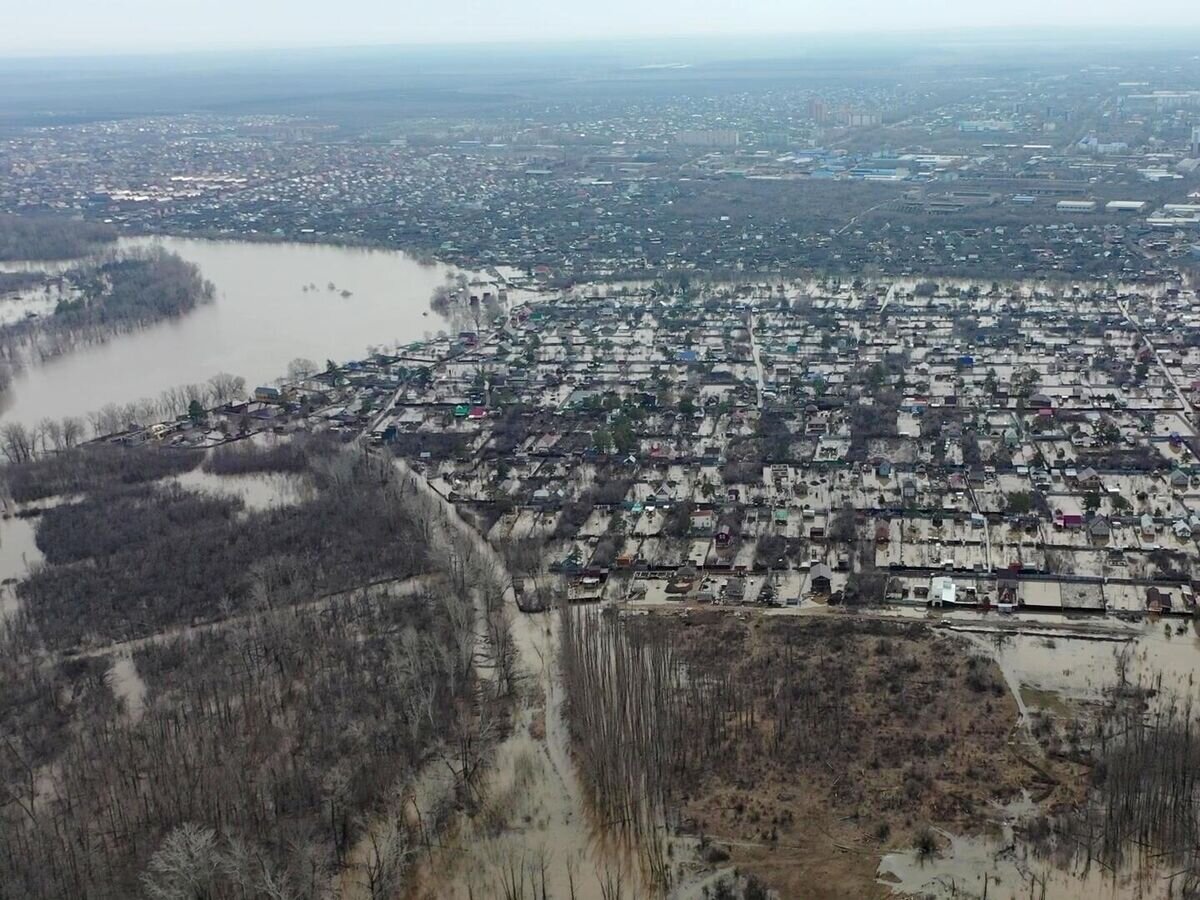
1020 448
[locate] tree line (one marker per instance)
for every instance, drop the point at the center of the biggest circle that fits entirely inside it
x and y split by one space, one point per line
137 560
93 467
22 443
50 237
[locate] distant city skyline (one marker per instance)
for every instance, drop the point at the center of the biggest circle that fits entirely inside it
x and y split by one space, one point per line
153 26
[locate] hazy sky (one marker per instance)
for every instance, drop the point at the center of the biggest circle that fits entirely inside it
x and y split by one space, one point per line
124 26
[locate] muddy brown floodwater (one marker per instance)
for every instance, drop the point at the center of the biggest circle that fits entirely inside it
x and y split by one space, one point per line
273 303
1051 663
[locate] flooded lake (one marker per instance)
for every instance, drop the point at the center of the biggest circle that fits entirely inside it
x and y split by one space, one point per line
262 317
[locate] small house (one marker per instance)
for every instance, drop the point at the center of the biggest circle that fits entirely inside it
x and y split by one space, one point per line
942 591
820 578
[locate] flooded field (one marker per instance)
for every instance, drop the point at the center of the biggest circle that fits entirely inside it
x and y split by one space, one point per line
1077 662
274 302
1061 670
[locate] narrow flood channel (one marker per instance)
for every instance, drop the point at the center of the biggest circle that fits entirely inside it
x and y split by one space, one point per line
548 837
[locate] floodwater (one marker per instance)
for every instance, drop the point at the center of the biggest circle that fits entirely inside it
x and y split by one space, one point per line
18 552
549 837
259 491
1054 656
1085 664
1000 869
261 318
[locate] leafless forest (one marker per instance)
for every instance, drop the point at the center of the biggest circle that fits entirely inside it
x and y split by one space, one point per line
302 705
1142 809
784 737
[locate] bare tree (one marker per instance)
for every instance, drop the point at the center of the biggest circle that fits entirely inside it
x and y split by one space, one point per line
186 866
226 387
17 442
387 856
52 434
72 431
300 368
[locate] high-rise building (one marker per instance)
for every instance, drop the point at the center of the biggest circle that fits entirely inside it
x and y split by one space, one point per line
1195 154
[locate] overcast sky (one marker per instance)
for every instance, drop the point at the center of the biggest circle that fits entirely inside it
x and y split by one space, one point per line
125 26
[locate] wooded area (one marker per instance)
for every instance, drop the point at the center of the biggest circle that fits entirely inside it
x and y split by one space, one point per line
104 297
92 467
773 733
38 238
134 561
279 749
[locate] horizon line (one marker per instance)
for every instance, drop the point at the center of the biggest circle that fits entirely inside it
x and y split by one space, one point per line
1181 34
